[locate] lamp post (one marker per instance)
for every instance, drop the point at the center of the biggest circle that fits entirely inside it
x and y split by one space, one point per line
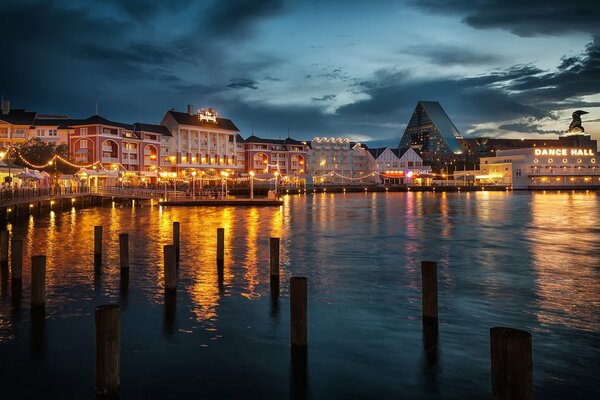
226 174
193 184
276 173
4 156
251 173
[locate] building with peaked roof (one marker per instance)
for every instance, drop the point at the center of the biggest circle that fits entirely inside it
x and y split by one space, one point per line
286 156
199 140
400 166
432 133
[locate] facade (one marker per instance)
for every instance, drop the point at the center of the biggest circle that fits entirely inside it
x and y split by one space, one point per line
340 161
265 156
568 164
116 146
399 167
431 132
199 140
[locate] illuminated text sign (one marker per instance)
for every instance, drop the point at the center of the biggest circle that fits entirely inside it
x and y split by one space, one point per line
564 152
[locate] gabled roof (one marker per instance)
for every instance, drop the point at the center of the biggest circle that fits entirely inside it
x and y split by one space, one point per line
98 120
61 123
256 139
187 119
18 117
238 138
160 129
376 152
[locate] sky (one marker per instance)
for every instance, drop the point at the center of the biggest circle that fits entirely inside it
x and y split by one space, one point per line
339 68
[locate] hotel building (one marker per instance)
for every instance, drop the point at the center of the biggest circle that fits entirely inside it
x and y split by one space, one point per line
570 162
200 140
286 156
340 161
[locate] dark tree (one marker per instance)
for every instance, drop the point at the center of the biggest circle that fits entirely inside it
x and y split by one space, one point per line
39 152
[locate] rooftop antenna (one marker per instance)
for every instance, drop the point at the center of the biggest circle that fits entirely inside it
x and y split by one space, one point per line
96 106
253 129
138 115
288 132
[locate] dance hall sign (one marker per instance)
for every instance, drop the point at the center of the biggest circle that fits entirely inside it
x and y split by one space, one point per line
564 152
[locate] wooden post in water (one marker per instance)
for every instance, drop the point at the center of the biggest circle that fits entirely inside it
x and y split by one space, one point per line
176 236
429 291
16 259
4 248
98 246
170 268
512 365
220 245
108 344
298 311
124 250
38 281
274 259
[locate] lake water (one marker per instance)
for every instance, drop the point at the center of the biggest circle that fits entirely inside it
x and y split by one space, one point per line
524 260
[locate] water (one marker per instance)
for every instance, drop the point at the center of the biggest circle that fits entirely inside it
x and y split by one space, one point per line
524 260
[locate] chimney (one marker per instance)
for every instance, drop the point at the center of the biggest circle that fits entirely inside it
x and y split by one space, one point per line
190 109
5 106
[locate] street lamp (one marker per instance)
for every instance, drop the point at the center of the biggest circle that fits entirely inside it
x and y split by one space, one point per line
251 173
193 184
276 173
4 156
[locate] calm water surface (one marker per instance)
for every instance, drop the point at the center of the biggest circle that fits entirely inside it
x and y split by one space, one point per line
525 260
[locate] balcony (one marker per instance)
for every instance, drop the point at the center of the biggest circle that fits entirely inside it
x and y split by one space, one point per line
112 160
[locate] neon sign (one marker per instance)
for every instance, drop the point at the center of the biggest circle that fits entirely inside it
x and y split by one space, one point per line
208 115
564 152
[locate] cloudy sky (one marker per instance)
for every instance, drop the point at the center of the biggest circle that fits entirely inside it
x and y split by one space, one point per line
509 68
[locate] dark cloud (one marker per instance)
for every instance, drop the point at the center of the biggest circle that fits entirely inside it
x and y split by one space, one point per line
237 17
451 55
523 18
243 84
327 97
528 128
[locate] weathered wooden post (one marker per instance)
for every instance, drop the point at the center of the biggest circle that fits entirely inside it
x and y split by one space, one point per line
274 259
16 259
220 245
170 268
4 248
429 291
298 311
124 250
38 282
108 344
512 365
176 236
98 246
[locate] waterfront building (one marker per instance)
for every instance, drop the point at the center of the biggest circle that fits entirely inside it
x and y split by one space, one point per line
400 167
340 161
431 132
265 156
570 162
200 141
117 146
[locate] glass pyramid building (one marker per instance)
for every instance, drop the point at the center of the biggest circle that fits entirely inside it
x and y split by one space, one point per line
430 130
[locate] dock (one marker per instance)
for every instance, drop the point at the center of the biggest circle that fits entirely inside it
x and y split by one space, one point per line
223 202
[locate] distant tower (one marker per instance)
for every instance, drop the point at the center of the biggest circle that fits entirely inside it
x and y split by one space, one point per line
575 128
431 132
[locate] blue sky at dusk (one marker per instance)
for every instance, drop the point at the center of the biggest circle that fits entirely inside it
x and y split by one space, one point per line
335 68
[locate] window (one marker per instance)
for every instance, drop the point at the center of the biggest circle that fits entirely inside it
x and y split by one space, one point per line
83 131
83 144
41 132
52 132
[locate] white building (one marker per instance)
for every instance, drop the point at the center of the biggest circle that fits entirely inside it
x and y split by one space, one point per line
398 167
340 161
560 166
201 140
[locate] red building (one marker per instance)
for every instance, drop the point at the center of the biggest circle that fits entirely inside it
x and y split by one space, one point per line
287 156
115 145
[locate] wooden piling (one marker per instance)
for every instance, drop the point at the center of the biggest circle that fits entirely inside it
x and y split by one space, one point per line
512 365
108 343
274 257
298 311
4 248
97 245
170 268
38 281
429 291
124 250
16 259
221 244
176 237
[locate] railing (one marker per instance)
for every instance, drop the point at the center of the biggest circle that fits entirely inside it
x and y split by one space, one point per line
33 194
141 193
